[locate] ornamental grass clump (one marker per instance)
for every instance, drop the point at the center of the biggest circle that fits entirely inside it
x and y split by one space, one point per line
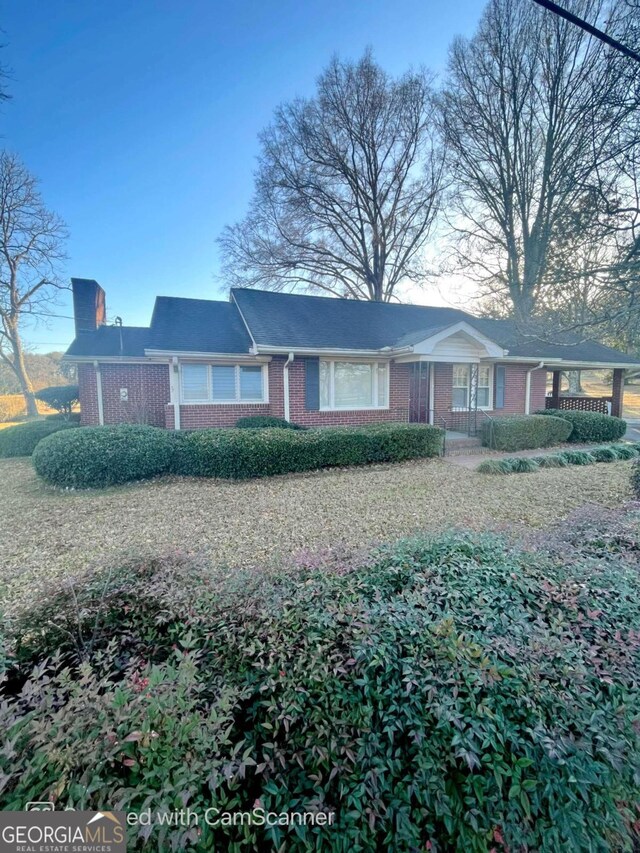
605 454
578 457
626 451
454 693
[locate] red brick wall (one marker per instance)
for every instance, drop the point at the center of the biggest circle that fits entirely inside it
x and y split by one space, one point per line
514 392
147 386
88 395
398 401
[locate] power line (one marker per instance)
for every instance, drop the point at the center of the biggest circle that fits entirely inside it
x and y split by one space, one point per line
589 28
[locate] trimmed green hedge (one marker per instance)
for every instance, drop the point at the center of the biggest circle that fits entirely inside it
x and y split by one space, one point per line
265 422
95 457
104 456
524 432
22 439
589 426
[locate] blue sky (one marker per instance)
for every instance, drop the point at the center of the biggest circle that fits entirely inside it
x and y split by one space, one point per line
141 119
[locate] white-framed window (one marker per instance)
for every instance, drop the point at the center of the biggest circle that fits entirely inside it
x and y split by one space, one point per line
353 384
224 383
461 390
485 373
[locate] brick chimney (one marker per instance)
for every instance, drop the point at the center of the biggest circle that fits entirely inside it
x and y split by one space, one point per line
89 310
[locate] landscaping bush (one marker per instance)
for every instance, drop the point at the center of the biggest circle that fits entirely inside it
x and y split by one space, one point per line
105 456
62 398
447 694
589 426
22 439
524 432
265 422
243 454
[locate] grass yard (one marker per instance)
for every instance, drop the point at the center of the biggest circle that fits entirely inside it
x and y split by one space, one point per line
49 535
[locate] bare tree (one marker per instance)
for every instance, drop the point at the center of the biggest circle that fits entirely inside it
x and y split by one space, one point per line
31 247
347 188
533 113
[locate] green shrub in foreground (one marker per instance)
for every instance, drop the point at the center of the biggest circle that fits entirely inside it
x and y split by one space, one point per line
265 422
243 454
95 457
22 439
589 426
104 456
524 432
452 691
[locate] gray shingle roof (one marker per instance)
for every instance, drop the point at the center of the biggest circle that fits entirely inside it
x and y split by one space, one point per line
110 341
289 321
197 325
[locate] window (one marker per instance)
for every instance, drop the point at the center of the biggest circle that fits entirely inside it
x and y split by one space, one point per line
353 385
223 383
460 395
462 386
484 387
195 382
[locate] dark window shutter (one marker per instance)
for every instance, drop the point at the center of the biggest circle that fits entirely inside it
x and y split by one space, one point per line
312 384
500 380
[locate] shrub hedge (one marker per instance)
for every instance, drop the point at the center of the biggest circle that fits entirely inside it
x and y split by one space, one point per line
22 439
103 456
524 432
452 694
95 457
265 422
589 426
62 398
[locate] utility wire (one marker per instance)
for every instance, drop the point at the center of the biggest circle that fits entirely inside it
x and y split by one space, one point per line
579 22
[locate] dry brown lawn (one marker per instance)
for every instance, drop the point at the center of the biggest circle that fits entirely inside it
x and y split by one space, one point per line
48 535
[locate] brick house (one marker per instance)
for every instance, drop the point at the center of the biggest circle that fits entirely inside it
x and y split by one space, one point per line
316 361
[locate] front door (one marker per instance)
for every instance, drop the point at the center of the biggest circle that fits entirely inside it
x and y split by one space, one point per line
419 393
